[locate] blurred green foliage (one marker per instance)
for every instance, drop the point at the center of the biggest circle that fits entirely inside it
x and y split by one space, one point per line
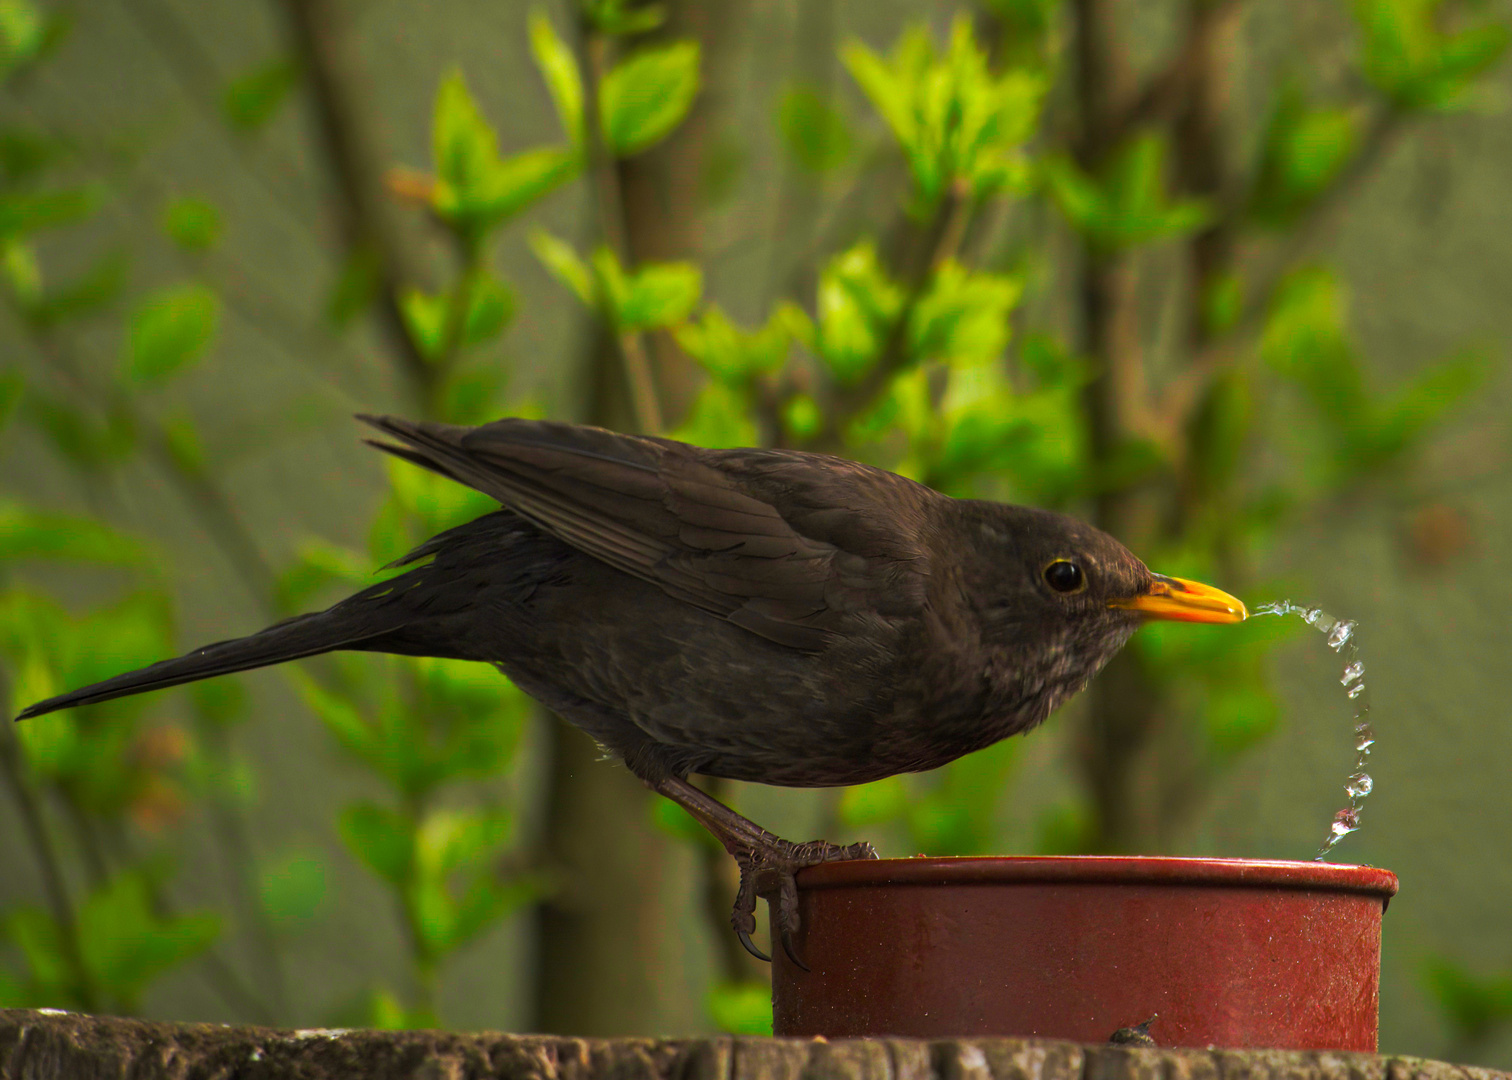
922 361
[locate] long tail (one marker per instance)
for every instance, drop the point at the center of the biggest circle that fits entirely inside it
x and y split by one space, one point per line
495 561
305 635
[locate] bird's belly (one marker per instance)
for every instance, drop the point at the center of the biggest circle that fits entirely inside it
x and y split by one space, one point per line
656 680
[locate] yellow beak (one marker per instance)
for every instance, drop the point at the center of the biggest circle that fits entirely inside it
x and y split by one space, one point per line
1185 601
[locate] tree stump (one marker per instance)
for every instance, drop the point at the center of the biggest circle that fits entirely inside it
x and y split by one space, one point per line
47 1044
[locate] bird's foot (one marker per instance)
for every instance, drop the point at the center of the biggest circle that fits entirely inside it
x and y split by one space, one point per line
769 870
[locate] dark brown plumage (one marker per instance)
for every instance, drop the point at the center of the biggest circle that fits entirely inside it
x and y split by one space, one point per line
763 615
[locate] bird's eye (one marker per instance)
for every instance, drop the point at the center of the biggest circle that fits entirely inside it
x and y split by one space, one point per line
1065 576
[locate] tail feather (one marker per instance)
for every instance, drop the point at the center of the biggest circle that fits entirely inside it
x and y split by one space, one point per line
305 635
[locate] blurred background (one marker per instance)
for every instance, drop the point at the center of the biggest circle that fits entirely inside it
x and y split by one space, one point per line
1228 278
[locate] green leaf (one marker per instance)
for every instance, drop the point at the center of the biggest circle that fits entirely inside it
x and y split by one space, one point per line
523 178
1397 425
41 943
1127 206
874 804
1415 61
13 993
12 386
622 18
23 273
474 392
1067 828
643 98
658 295
960 126
741 1008
802 417
320 564
356 287
732 353
221 702
25 33
292 891
1237 716
963 316
559 68
127 944
1304 152
566 266
25 153
428 317
89 293
813 130
26 533
192 224
447 841
721 416
181 439
857 304
463 145
170 331
254 98
384 841
1219 432
341 718
1223 303
1476 1006
25 212
84 438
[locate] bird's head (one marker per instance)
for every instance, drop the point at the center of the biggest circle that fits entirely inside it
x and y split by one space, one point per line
1076 588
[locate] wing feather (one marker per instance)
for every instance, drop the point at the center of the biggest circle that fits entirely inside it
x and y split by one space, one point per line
745 535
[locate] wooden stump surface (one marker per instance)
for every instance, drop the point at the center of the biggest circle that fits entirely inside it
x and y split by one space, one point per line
51 1045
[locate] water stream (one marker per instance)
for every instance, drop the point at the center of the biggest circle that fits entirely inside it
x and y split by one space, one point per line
1341 639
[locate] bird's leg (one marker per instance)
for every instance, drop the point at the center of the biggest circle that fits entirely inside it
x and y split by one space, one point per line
767 863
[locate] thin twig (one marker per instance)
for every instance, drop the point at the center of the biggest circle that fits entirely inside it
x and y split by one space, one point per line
182 56
193 483
53 882
1302 237
609 200
363 213
1170 89
938 243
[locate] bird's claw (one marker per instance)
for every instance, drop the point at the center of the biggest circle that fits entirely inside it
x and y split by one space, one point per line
770 871
750 946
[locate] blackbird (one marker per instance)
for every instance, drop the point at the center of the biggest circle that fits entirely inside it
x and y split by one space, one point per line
766 615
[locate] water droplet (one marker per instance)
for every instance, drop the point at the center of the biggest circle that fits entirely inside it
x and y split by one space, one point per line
1340 634
1345 821
1343 630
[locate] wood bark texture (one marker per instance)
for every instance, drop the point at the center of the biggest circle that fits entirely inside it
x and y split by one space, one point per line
70 1046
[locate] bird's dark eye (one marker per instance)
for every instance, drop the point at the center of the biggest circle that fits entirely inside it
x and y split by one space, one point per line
1065 576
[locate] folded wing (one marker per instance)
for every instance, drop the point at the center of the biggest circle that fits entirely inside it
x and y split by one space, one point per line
747 535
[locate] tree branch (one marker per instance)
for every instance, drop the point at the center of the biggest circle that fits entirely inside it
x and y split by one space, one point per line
938 242
53 882
1303 236
609 203
362 212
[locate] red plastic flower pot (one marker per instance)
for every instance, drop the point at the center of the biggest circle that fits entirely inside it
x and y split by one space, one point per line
1228 952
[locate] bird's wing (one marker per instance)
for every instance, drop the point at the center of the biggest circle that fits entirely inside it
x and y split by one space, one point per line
747 535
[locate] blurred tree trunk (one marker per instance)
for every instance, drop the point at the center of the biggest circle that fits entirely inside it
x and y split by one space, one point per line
616 956
1124 707
1141 785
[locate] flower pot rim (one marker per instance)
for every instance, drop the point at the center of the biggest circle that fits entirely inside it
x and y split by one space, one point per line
1102 870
